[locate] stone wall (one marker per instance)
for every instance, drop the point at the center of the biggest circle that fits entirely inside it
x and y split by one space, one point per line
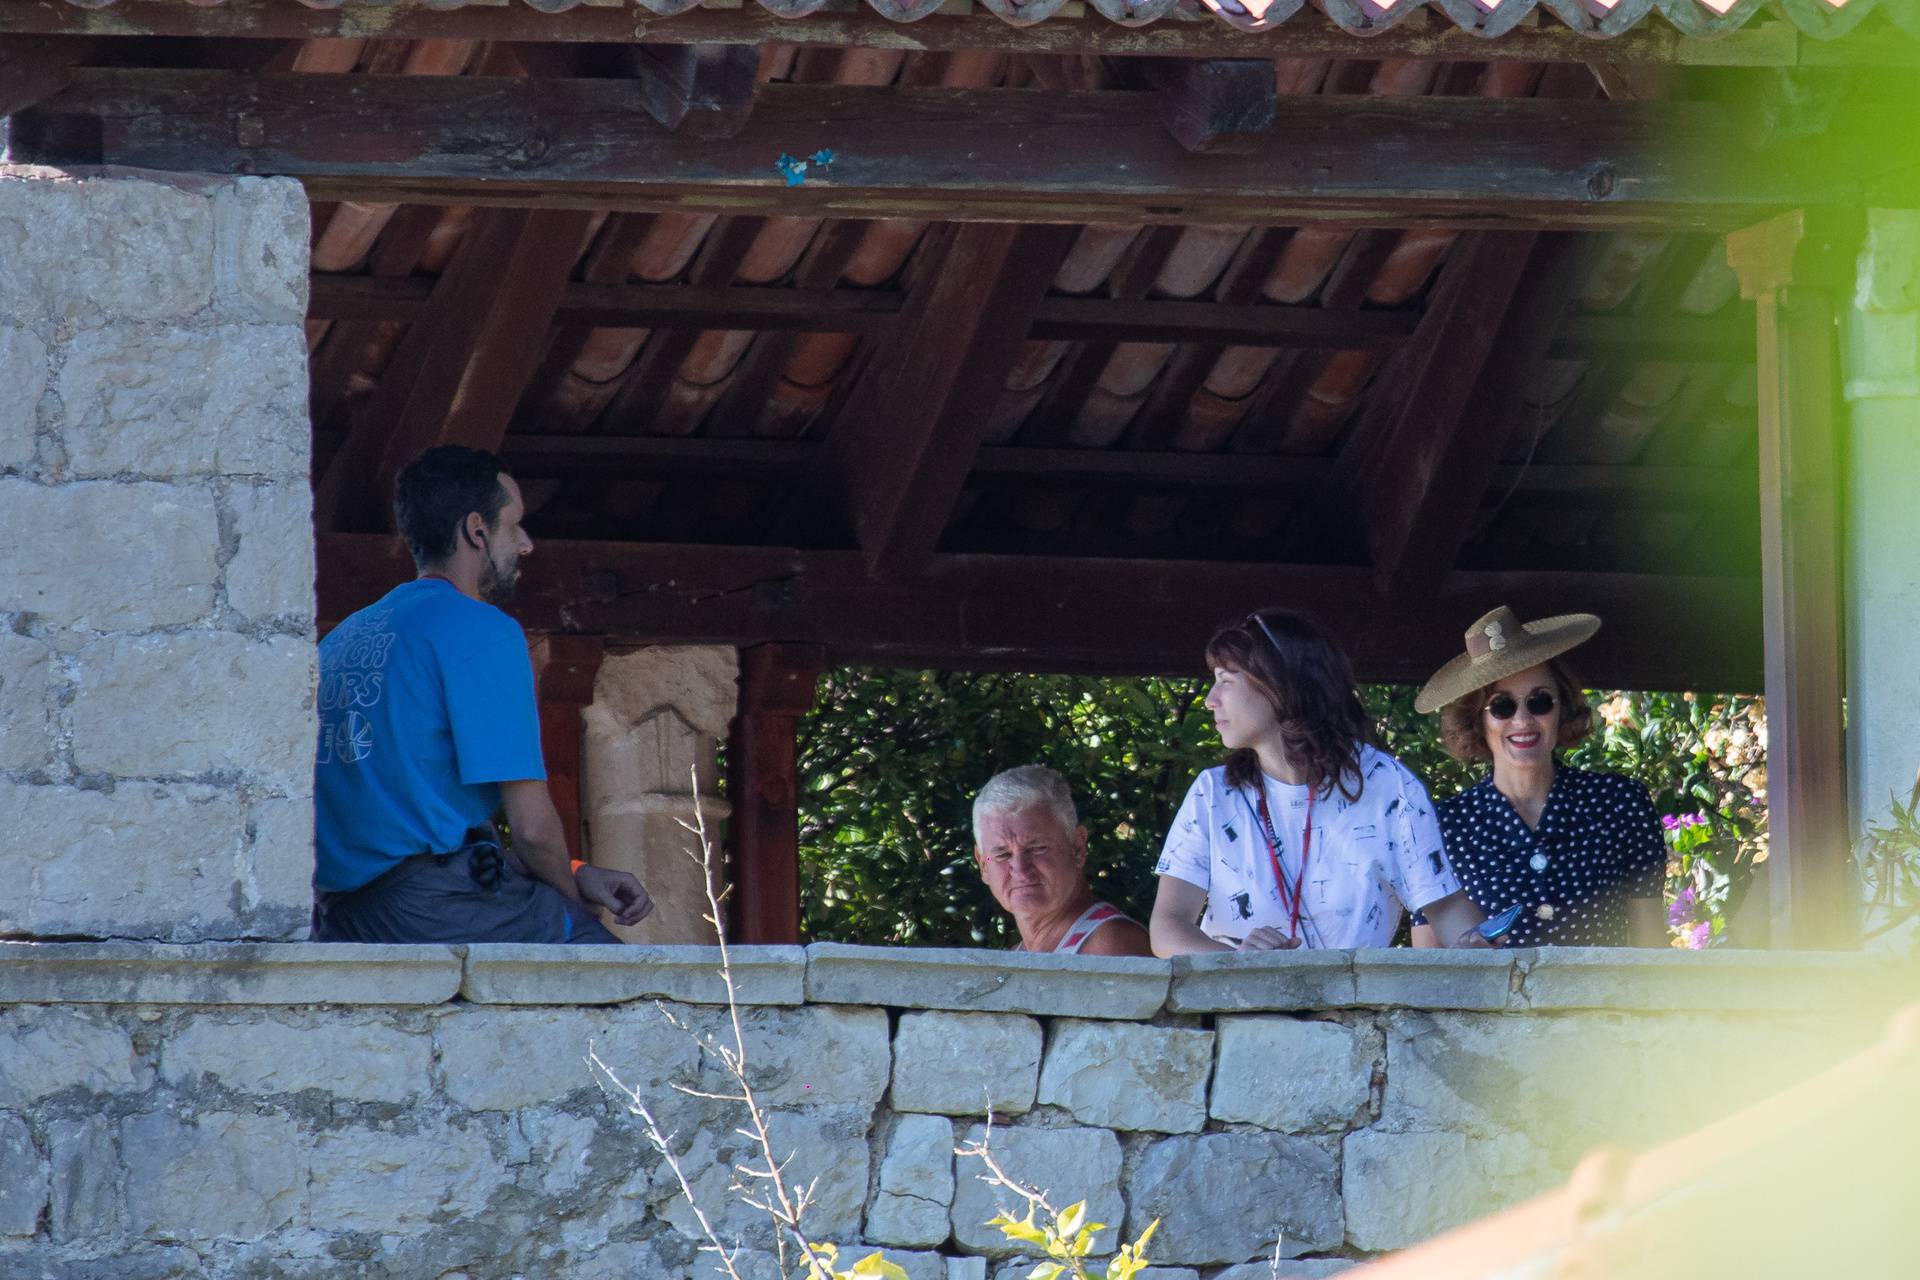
156 557
296 1111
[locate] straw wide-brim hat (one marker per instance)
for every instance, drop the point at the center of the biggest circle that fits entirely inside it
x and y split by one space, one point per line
1499 645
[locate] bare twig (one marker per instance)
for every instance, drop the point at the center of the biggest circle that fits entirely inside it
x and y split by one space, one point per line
762 1182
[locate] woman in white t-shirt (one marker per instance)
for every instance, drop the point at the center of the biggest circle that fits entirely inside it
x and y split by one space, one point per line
1308 836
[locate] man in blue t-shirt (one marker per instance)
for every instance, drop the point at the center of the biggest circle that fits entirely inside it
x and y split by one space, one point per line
429 726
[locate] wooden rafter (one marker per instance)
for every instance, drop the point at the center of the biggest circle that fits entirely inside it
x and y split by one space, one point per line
1233 320
458 375
1040 613
905 440
1306 35
974 154
1421 459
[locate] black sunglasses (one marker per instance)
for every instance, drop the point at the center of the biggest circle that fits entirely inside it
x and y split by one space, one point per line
1501 706
1265 630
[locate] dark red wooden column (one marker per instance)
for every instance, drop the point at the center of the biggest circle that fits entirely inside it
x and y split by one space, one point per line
564 670
776 689
1795 269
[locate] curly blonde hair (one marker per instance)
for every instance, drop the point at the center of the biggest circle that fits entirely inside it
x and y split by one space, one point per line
1461 721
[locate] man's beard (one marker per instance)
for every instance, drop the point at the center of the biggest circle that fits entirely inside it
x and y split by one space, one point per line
497 584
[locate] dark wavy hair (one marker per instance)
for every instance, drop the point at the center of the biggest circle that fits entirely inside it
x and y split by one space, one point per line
1307 678
433 495
1463 730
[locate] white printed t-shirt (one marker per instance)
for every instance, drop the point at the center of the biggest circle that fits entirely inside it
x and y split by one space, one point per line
1372 858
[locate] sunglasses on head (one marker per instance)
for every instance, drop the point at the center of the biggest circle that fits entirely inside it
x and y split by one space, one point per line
1265 630
1501 706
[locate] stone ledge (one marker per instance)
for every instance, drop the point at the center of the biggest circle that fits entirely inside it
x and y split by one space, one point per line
1434 979
1230 982
530 973
213 973
1118 987
1731 981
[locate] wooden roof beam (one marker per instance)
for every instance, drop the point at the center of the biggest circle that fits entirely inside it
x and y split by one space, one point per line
986 155
1224 323
1215 104
906 439
34 68
1308 34
1038 613
459 373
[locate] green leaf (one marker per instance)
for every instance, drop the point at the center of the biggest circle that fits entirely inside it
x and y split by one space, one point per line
1068 1223
875 1267
1046 1271
1022 1230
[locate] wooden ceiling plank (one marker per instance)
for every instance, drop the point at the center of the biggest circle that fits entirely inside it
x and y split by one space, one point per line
974 154
1039 613
1217 105
459 374
705 91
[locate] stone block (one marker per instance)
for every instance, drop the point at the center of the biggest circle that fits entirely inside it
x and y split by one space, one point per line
1287 1269
161 573
1118 1075
1575 1080
260 250
387 1181
26 696
807 1057
23 1189
1167 1273
823 1145
229 973
271 574
1402 1188
1069 1165
131 247
1419 978
89 1192
965 1063
967 1269
1227 1197
276 883
511 1059
46 1051
172 403
1120 987
1889 268
1232 982
1762 981
700 683
1294 1075
23 372
217 1174
194 703
916 1183
144 860
520 973
353 1057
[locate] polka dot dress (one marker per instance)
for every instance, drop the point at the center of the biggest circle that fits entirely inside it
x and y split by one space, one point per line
1598 844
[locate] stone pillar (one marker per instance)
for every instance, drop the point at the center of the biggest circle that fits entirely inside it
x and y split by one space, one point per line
156 557
652 740
1881 376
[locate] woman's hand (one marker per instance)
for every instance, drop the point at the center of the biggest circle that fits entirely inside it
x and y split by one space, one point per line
1267 939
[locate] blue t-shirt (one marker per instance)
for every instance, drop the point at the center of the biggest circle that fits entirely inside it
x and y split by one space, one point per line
426 706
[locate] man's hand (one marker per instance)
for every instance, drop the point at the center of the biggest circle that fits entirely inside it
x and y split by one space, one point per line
617 891
1266 939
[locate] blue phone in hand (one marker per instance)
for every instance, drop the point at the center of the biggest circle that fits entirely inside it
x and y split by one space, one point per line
1496 927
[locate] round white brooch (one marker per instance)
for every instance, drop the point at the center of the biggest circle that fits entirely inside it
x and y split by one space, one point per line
1496 637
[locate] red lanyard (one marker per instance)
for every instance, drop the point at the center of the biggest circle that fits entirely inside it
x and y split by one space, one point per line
1273 854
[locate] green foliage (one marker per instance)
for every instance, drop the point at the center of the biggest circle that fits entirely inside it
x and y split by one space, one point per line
871 1267
890 760
1067 1239
1888 862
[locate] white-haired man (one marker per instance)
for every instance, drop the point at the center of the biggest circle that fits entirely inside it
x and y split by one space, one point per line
1032 853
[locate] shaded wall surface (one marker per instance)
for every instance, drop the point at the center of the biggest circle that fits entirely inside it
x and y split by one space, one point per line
295 1110
156 557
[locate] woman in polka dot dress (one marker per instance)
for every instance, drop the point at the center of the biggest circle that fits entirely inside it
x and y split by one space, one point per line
1579 853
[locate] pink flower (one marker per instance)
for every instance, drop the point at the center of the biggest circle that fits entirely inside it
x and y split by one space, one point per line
1681 909
1698 936
1670 822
